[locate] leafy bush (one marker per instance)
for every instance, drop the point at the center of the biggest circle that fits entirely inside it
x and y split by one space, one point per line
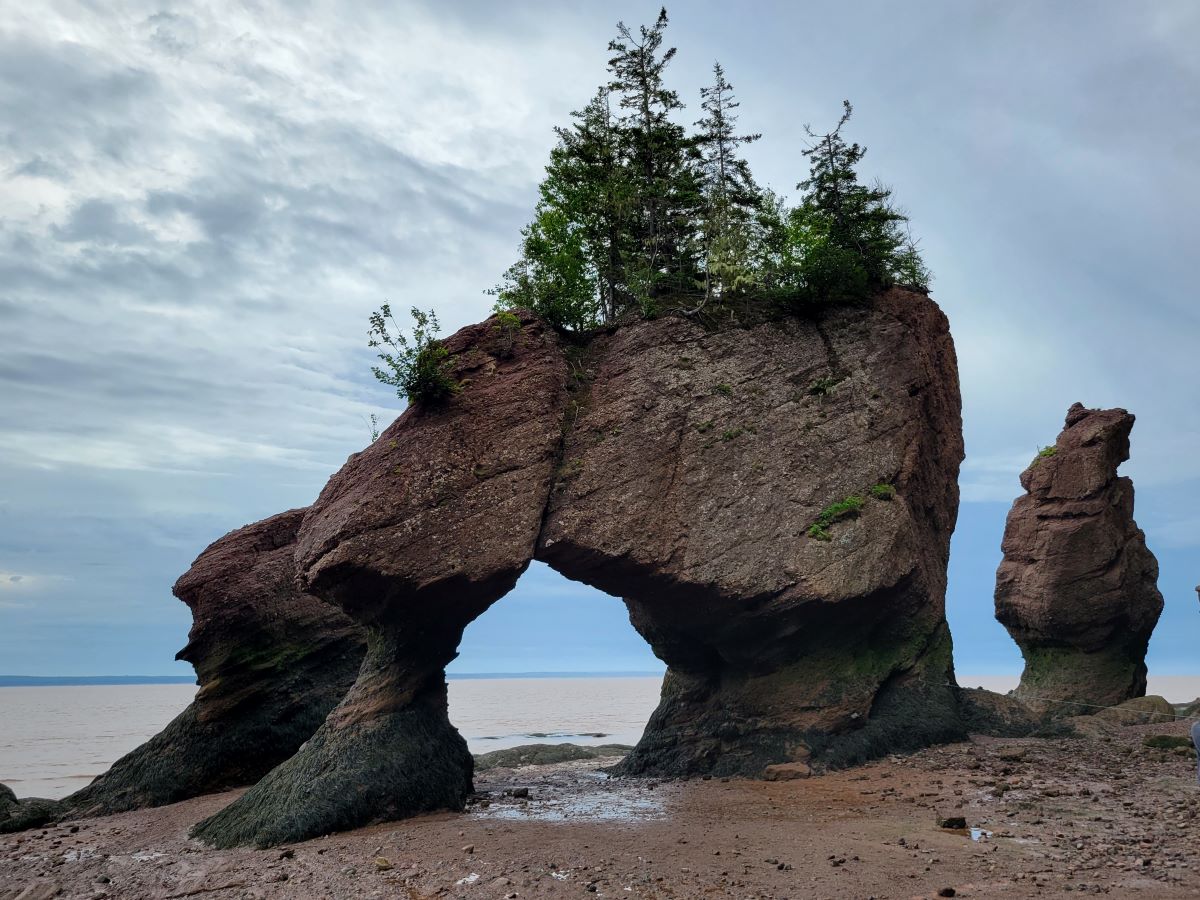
822 387
508 325
419 369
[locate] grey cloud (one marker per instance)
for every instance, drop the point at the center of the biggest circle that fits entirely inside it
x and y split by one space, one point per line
101 221
202 208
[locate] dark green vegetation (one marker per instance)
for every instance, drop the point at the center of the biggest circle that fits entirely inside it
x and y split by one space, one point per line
639 215
419 370
883 491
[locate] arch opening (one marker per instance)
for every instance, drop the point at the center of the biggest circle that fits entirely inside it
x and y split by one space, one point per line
552 662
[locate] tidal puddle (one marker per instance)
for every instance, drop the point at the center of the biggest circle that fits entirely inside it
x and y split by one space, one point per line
979 834
588 796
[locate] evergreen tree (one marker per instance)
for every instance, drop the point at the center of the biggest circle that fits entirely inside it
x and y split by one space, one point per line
852 239
730 194
572 266
662 159
633 209
774 253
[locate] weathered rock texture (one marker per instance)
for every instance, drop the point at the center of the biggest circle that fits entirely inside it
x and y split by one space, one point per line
1077 588
28 812
271 663
680 469
415 537
690 480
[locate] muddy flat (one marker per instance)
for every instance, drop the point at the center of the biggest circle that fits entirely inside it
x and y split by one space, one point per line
1043 818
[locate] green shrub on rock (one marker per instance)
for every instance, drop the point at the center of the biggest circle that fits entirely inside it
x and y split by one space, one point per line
419 369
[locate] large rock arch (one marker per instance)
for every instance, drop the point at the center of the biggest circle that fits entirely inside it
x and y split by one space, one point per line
682 470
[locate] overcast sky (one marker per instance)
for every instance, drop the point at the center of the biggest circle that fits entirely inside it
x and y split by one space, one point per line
200 205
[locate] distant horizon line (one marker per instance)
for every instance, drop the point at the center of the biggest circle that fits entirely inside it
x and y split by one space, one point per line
966 679
78 680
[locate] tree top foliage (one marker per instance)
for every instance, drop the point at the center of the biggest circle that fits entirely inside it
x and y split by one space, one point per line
638 215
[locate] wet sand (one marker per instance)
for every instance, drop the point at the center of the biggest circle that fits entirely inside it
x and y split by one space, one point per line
1103 815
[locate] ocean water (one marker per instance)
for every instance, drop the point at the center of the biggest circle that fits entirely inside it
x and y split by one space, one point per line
54 740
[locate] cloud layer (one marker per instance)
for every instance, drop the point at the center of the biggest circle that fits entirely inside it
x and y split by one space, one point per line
201 204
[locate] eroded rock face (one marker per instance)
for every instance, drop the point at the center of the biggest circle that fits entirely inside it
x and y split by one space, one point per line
690 481
271 662
682 470
1077 588
415 537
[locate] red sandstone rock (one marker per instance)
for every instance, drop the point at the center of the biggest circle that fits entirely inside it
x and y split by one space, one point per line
1077 588
683 471
691 477
414 537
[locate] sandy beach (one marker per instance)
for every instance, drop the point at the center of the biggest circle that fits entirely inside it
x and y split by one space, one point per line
1044 817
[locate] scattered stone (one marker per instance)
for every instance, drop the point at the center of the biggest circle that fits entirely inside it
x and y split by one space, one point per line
954 823
382 863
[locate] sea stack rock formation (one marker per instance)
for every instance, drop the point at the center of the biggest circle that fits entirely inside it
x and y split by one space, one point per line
773 502
271 663
1077 588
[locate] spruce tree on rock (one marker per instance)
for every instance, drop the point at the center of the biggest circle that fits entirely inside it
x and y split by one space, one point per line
572 266
730 194
854 240
663 166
